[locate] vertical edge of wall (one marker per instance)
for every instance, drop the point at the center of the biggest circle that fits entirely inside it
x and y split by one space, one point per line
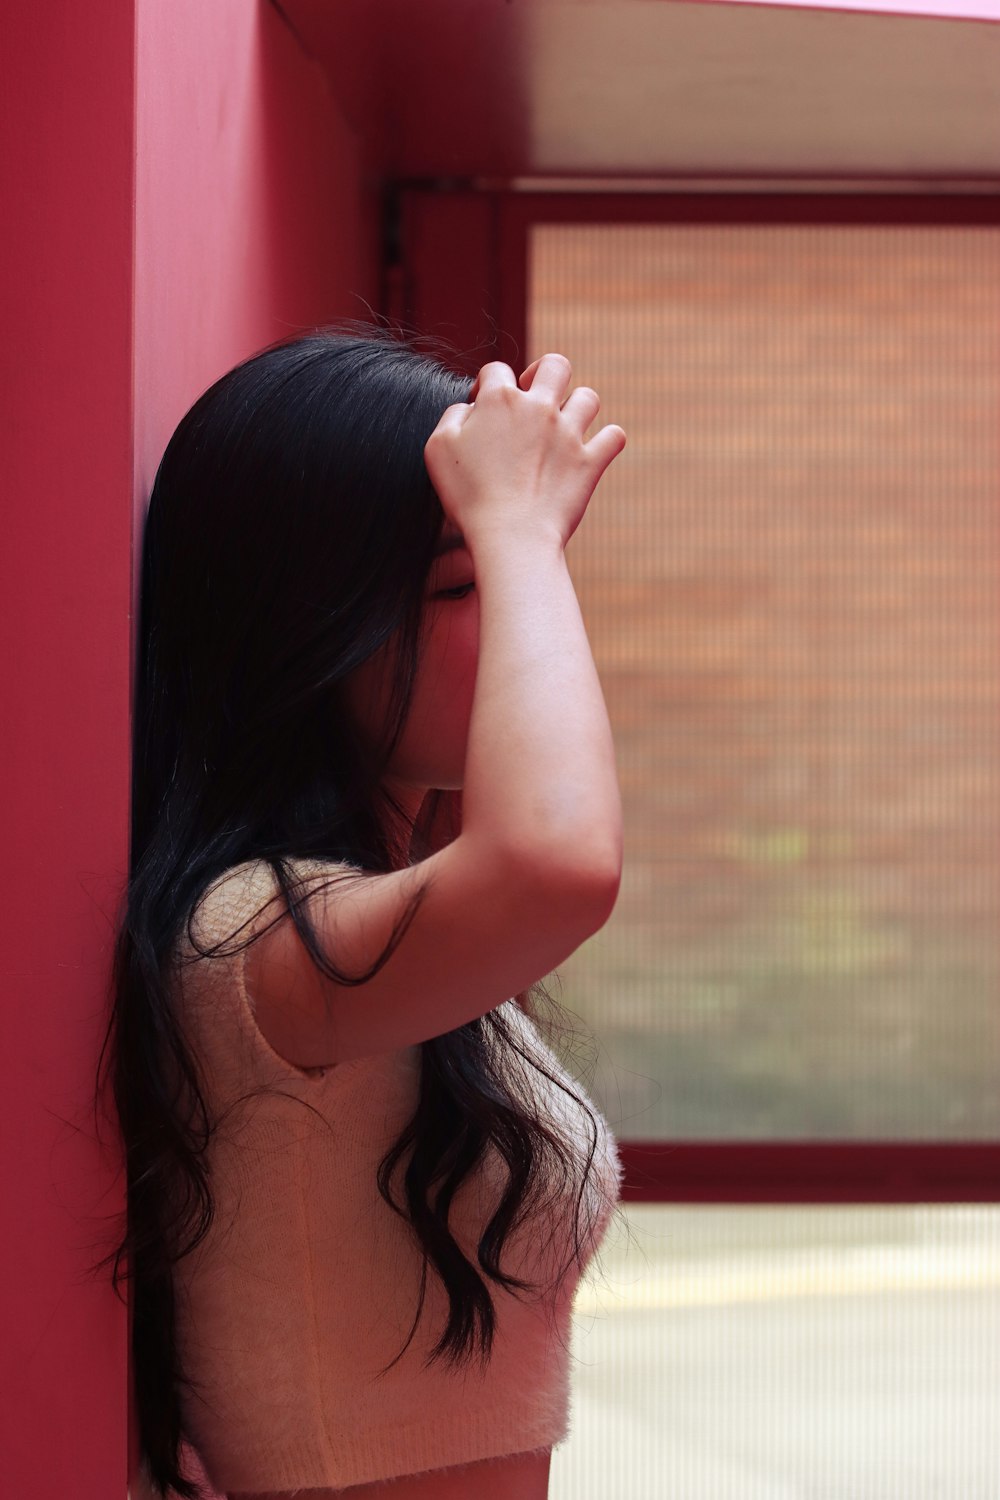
67 188
256 218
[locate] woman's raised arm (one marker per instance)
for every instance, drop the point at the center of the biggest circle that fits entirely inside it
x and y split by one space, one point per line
536 867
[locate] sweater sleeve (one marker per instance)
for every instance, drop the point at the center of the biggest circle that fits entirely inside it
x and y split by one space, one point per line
228 917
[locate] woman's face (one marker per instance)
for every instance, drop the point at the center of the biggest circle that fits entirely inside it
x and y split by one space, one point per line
431 751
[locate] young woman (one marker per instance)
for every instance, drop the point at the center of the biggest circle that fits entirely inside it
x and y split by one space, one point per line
374 803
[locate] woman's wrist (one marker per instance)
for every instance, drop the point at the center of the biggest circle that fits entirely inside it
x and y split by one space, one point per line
510 533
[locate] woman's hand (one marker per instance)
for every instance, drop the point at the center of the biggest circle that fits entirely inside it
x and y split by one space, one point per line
513 456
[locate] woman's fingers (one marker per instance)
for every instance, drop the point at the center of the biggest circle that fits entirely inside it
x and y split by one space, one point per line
605 446
549 375
553 374
454 415
582 406
495 373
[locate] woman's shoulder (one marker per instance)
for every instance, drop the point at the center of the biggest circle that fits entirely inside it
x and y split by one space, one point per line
231 904
210 956
226 908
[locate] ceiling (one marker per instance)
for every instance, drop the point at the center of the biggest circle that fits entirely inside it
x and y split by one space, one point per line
500 89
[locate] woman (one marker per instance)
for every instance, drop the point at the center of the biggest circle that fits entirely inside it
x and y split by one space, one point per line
374 802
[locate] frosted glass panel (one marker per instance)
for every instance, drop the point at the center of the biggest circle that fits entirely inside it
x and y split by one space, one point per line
791 583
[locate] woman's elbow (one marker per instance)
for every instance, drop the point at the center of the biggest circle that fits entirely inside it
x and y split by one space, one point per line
580 885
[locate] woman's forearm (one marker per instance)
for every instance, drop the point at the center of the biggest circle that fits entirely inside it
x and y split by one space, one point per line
540 771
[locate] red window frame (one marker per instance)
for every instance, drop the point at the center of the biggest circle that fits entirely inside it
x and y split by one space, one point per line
457 267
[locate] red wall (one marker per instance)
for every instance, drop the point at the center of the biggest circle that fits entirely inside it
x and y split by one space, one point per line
253 217
179 190
66 279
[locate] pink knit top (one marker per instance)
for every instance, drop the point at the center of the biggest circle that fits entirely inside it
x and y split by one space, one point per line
307 1283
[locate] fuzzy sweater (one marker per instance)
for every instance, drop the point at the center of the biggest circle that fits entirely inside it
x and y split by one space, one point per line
307 1283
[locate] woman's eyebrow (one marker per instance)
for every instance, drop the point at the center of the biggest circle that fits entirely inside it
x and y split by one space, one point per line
449 543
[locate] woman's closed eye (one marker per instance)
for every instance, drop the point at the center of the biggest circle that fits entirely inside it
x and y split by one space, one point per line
458 592
453 575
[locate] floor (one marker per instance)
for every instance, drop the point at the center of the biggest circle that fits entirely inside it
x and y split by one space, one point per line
788 1354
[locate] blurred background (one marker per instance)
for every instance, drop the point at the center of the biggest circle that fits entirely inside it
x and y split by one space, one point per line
791 585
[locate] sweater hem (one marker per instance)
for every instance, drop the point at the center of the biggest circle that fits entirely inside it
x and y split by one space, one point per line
395 1451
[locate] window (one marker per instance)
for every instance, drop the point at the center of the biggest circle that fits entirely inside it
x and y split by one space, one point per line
791 581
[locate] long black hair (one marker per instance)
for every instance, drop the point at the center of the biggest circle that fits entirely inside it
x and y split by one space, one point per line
290 531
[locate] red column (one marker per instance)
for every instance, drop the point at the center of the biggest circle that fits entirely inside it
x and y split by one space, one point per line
65 563
179 189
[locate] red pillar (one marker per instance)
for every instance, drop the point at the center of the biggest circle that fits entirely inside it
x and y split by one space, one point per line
65 563
179 189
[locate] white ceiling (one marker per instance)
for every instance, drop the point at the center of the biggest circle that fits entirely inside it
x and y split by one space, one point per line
658 88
